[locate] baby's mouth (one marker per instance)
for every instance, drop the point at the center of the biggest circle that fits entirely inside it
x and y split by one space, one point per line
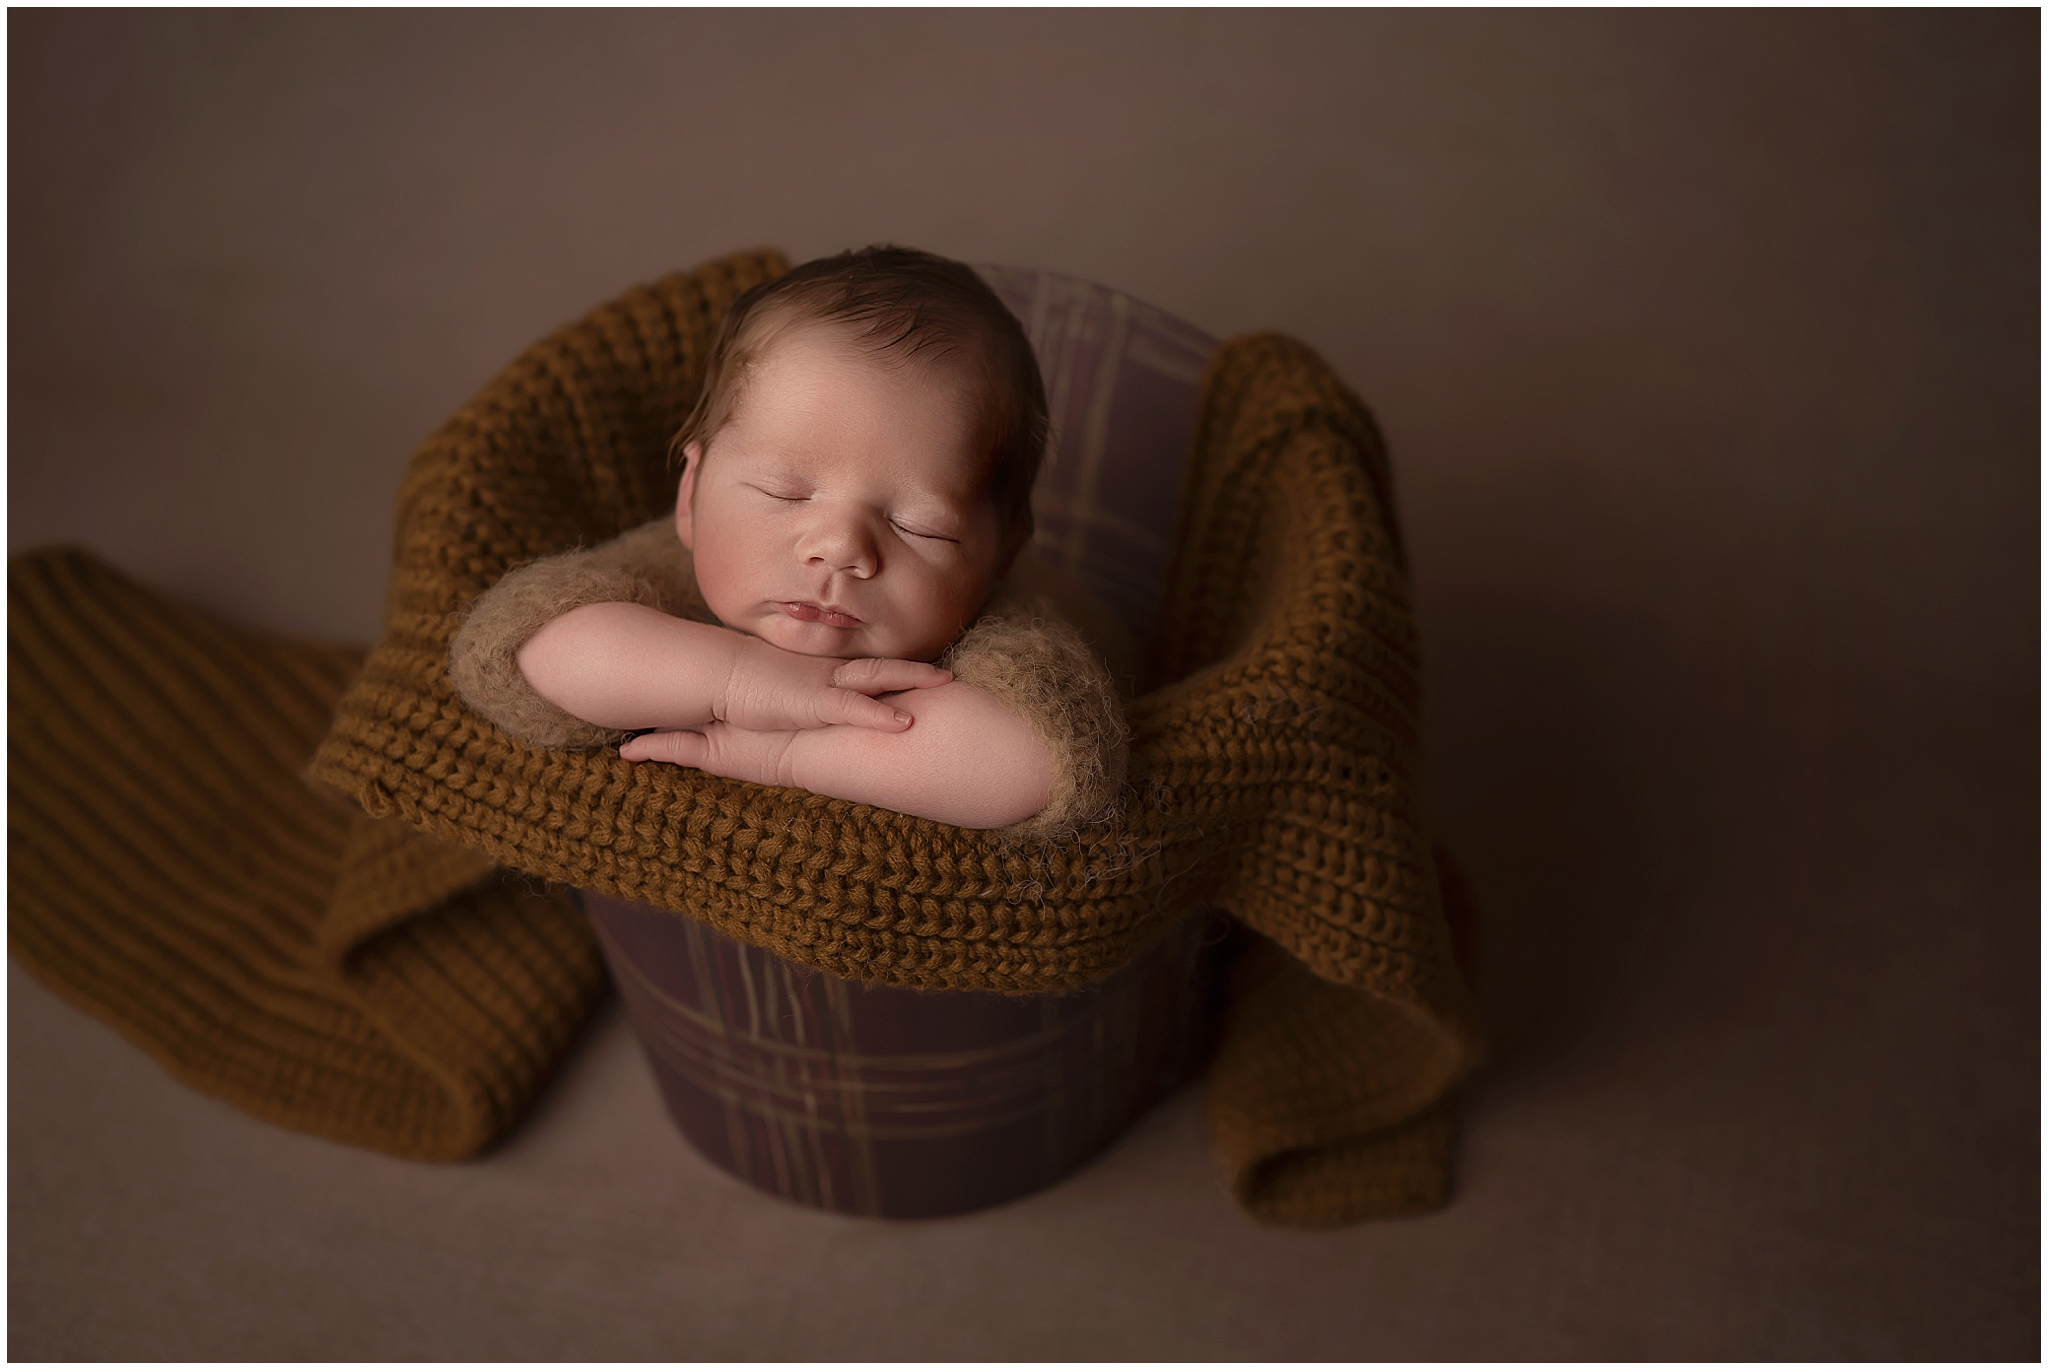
805 612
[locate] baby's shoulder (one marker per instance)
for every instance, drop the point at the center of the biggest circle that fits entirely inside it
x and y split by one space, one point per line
643 565
652 552
1039 593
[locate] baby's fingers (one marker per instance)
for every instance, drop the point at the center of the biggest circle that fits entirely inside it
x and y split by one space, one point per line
879 675
682 747
863 712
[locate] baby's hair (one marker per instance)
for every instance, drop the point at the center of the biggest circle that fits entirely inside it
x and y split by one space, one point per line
899 303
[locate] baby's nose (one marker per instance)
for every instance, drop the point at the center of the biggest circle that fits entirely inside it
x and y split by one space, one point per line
845 545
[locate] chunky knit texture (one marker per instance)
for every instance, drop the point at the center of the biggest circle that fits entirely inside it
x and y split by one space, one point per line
1273 768
369 981
265 943
1275 775
1325 1103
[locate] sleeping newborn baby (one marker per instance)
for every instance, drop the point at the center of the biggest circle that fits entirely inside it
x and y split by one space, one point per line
838 603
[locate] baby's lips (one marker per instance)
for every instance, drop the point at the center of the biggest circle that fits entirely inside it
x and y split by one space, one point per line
804 612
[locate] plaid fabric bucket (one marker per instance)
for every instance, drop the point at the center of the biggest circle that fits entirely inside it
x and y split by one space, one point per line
901 1104
896 1103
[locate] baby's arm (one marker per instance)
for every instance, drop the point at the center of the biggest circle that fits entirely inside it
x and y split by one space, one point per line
1029 736
971 761
621 665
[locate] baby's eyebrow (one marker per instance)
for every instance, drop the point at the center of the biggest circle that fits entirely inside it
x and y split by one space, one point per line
937 517
780 471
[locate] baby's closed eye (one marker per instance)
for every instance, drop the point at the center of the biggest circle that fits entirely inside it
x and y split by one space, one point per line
920 531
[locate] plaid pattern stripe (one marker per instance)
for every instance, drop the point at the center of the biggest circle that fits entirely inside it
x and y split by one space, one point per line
1123 382
890 1102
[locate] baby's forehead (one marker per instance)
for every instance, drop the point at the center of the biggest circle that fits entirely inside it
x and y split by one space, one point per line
819 352
829 344
780 400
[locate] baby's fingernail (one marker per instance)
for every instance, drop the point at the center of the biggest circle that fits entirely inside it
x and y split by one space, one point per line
903 718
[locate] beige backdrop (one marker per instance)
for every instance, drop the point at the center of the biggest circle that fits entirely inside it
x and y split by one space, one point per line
1707 348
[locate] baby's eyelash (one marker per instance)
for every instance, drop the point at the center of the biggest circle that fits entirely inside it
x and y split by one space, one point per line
932 537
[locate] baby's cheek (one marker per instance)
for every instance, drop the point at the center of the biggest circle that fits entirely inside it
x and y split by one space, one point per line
722 583
949 611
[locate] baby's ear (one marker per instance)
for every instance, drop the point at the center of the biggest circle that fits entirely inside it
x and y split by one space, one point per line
686 494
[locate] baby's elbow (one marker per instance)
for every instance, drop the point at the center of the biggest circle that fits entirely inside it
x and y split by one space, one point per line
570 661
988 767
1024 784
547 660
533 665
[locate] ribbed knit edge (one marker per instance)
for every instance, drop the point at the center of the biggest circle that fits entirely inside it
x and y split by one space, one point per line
170 874
1329 1105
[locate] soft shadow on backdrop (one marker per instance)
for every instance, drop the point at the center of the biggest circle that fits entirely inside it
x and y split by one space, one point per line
1706 345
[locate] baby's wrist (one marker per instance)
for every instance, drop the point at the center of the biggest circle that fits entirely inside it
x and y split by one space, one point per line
793 768
743 670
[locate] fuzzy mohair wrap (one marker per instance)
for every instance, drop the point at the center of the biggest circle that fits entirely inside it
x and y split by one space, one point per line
362 971
1021 650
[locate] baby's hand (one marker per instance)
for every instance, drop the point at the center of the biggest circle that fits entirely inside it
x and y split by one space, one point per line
770 690
720 749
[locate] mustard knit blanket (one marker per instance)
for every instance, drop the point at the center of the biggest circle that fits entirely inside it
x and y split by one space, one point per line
360 970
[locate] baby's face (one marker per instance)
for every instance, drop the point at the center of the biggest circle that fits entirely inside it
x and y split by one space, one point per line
840 511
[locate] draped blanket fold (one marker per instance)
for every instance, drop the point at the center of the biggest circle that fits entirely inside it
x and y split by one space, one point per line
359 971
170 872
